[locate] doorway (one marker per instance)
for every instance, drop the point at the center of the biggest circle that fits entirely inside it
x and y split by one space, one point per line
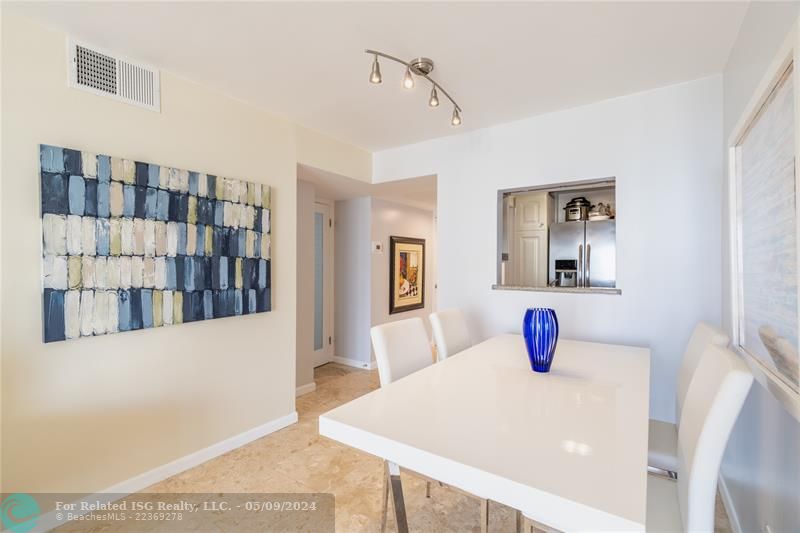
323 283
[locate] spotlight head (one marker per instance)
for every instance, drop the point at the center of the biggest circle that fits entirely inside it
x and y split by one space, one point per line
456 120
375 75
434 99
408 79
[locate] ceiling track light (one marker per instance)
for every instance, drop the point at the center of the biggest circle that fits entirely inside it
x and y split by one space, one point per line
422 67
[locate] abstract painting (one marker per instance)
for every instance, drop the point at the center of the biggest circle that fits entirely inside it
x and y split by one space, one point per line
406 274
129 245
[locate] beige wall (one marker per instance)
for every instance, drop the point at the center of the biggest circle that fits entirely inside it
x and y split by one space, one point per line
83 415
305 283
320 151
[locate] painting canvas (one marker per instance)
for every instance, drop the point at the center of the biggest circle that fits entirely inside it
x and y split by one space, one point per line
406 274
768 273
130 245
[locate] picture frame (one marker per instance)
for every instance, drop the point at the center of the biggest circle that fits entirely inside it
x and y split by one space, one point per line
406 274
769 351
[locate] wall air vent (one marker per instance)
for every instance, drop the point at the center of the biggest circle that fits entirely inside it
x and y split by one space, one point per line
99 72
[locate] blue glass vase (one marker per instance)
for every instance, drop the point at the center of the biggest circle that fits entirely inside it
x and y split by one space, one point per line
540 329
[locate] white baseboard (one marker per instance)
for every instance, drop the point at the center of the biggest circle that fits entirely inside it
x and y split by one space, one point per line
305 389
135 484
354 362
730 509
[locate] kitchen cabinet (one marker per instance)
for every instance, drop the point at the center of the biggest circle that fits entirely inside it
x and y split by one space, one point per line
531 211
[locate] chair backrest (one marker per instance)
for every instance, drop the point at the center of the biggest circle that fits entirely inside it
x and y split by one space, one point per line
713 402
704 334
401 348
450 332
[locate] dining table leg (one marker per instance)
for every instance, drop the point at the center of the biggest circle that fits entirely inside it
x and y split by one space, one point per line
384 496
484 516
396 487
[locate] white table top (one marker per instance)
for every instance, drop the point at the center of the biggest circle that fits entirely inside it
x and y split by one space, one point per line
568 448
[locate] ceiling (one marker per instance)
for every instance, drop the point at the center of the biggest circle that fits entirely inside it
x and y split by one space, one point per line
500 61
416 192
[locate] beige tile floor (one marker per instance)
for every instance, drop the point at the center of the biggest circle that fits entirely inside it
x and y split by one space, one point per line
297 459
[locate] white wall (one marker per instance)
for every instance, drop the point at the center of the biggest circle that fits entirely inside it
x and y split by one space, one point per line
761 469
392 219
664 148
352 271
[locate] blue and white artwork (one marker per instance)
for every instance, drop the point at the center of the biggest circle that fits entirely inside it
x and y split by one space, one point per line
129 245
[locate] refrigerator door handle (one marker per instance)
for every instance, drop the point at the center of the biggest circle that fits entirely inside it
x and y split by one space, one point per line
588 279
580 266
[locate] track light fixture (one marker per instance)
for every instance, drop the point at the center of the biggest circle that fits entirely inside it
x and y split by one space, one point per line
422 67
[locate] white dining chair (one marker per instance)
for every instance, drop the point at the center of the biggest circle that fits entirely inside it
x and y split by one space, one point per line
401 348
662 457
711 406
450 332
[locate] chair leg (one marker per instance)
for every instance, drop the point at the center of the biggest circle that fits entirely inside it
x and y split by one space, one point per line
661 472
385 498
484 516
427 489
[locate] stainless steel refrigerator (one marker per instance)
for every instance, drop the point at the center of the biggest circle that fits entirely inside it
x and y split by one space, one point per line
588 248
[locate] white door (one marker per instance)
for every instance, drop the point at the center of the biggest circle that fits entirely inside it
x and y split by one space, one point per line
530 248
323 284
529 241
530 212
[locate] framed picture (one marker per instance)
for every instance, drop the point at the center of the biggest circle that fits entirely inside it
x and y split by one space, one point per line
764 151
406 274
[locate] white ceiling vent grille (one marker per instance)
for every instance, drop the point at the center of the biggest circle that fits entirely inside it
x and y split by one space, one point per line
99 72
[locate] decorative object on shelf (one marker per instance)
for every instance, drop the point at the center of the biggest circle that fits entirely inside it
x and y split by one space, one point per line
577 209
422 67
540 330
406 274
130 245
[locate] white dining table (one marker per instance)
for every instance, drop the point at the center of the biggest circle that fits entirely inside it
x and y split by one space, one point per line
567 448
